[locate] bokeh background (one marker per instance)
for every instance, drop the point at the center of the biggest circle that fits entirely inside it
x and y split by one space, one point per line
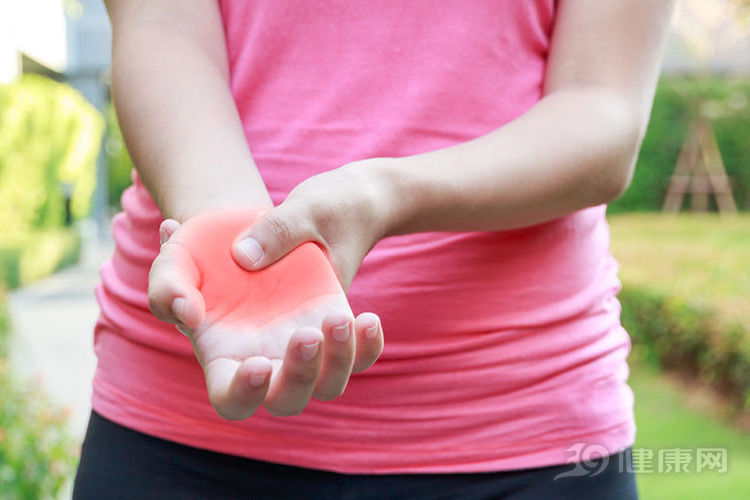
685 270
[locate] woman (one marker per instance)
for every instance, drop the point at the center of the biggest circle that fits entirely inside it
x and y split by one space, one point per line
454 159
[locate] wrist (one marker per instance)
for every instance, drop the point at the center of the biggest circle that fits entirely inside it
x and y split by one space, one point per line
198 205
381 192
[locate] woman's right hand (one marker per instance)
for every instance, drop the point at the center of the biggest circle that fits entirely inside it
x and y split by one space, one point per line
307 353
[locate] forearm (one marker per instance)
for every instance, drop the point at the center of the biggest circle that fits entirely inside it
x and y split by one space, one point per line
574 149
178 118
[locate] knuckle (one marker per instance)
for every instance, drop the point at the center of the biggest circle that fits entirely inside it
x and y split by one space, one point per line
280 227
156 302
157 293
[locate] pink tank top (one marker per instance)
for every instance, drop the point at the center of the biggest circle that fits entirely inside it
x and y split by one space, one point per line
504 350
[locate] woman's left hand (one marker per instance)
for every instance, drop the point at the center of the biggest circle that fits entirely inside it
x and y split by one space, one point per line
344 210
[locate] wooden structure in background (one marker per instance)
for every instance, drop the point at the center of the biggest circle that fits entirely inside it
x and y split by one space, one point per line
699 172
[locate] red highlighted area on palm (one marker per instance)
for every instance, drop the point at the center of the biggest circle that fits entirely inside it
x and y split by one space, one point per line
241 298
273 337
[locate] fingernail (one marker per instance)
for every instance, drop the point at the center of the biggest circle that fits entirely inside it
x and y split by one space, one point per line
371 332
251 249
163 237
309 351
341 332
183 331
178 307
258 379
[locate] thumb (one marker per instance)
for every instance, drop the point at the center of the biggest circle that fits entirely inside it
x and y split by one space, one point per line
167 229
274 235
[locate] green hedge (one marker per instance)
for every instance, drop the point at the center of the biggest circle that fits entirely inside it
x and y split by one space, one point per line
674 107
49 136
672 333
37 455
37 254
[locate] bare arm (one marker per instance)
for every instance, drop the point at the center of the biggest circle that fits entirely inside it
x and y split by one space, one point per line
179 121
574 149
171 90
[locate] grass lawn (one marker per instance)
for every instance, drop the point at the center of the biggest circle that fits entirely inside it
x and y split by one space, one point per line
701 257
665 421
686 293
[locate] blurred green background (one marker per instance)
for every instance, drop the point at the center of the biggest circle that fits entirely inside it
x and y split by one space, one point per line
685 298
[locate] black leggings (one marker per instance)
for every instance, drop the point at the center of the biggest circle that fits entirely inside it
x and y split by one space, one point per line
117 462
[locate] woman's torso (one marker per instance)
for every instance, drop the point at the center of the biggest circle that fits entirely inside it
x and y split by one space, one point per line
503 349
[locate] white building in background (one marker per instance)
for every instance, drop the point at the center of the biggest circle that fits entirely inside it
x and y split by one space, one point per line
68 40
67 37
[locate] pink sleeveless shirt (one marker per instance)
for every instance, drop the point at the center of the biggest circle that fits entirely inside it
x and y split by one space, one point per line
504 350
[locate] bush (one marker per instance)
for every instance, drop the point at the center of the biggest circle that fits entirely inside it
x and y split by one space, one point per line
10 267
687 337
37 456
49 137
37 254
674 108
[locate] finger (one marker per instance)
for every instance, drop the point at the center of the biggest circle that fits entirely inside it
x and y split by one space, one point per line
292 388
166 229
369 333
237 389
338 356
172 293
277 233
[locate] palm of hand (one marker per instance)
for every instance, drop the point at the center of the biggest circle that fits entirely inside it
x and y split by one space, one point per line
253 324
216 339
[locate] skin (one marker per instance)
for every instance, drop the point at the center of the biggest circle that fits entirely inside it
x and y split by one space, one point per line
574 149
256 322
170 86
